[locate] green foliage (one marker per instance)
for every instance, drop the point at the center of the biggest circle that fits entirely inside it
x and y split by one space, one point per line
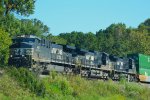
123 79
10 24
15 26
17 83
56 39
74 37
23 7
119 40
57 85
116 39
139 42
81 40
145 26
10 90
33 27
75 87
28 80
53 74
1 9
5 42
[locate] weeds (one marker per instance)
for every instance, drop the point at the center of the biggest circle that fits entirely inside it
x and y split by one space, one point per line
22 84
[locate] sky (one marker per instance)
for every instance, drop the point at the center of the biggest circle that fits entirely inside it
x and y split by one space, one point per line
89 15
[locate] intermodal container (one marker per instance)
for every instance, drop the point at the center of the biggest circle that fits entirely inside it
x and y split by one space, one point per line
142 66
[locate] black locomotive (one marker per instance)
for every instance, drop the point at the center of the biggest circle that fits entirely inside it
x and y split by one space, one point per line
41 55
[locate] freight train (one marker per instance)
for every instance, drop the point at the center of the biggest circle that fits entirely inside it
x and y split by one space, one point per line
42 56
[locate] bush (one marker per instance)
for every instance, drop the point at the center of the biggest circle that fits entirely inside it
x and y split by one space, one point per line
5 42
10 90
60 87
28 80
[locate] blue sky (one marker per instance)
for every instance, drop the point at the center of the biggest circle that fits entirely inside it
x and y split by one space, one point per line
90 15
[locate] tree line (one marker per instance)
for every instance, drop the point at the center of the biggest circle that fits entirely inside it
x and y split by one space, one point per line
116 39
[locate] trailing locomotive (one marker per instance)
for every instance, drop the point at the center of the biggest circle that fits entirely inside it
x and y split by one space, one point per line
41 55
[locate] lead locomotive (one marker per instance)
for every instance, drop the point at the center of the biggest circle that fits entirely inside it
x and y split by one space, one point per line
42 56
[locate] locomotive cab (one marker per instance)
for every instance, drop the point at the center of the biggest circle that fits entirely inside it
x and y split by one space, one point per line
97 58
56 53
105 58
90 59
68 52
132 66
79 58
120 65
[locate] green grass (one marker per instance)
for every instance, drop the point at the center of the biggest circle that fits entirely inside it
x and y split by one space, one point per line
10 90
77 88
18 84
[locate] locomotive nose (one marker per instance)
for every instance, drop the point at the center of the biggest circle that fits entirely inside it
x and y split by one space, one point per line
20 54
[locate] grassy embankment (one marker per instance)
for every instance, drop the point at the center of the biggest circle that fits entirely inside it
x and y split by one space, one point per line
18 84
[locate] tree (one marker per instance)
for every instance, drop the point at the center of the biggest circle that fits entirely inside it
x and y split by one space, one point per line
1 9
56 39
90 41
145 26
115 39
33 27
112 40
5 42
15 26
10 24
139 42
22 7
74 38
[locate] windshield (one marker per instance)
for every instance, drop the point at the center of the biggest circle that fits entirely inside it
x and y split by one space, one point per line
29 40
